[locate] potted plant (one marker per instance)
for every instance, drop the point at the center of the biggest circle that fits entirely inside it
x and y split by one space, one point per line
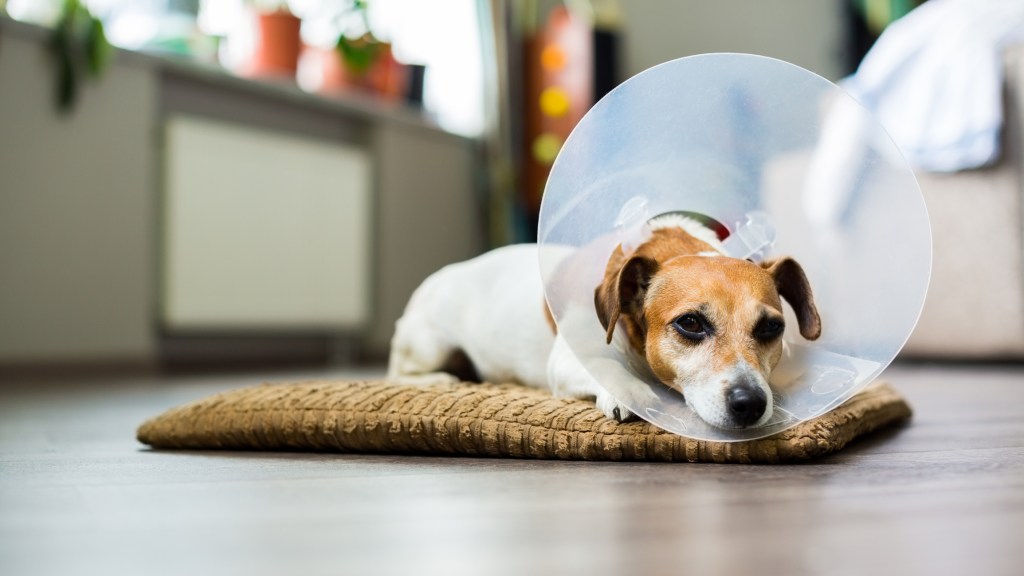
277 40
358 59
81 50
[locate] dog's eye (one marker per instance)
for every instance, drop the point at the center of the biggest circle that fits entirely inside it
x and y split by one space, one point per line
769 329
691 326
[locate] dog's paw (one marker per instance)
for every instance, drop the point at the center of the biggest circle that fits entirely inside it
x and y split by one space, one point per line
613 409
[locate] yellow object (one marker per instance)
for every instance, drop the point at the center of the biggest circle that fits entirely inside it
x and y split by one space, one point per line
545 148
554 102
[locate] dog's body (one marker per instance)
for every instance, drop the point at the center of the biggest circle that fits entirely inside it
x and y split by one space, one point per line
490 308
705 324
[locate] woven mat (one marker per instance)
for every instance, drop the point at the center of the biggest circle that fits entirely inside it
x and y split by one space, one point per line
481 420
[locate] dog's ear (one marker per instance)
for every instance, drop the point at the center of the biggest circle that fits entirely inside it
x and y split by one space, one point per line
792 284
624 293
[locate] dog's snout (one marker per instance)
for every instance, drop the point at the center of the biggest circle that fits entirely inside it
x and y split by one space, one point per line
746 402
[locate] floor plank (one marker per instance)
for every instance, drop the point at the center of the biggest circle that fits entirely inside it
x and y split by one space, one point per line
78 495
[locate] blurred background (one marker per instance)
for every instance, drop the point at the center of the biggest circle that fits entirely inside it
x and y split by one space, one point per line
200 184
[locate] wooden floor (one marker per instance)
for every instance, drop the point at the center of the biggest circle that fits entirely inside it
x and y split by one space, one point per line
78 495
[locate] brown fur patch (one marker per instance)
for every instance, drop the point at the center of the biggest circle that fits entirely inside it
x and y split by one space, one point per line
732 294
792 284
667 243
663 245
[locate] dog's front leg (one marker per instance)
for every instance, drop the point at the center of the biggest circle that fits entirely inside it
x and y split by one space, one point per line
568 378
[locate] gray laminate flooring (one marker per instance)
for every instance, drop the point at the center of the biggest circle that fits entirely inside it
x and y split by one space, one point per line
78 495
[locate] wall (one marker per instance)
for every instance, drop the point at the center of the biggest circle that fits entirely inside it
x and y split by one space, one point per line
427 217
76 212
808 33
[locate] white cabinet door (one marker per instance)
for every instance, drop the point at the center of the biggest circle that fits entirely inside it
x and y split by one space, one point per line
263 230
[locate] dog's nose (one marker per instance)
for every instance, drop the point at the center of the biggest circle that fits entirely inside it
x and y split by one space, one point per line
747 403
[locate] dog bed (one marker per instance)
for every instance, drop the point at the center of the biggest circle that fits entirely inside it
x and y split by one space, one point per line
503 420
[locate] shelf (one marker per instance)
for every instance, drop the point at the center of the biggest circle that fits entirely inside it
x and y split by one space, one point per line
360 105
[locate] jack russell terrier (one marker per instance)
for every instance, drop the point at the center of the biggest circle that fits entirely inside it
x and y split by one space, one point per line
706 325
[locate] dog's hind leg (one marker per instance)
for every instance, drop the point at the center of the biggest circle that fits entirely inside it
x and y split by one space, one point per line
419 353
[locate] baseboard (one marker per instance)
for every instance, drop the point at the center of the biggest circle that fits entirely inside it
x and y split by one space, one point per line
77 368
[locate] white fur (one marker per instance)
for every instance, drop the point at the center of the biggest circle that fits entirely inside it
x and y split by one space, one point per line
490 307
706 390
691 227
568 378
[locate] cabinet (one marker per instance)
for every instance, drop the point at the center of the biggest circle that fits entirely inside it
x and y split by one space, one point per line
263 230
179 201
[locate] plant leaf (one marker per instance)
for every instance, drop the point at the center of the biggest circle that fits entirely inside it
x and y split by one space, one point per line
67 82
97 49
359 54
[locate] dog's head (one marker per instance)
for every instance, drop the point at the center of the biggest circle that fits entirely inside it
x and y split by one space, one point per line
708 325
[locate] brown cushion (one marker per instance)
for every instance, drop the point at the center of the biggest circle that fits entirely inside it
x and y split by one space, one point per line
481 420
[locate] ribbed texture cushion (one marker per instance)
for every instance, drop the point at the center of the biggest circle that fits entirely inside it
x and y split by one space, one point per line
481 420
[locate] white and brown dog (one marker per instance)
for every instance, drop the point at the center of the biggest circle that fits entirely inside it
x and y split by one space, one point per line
706 325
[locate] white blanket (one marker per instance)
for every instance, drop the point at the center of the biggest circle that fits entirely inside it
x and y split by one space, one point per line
934 80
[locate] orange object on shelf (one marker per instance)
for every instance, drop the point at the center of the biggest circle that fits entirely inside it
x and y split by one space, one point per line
558 84
324 71
552 58
277 44
387 76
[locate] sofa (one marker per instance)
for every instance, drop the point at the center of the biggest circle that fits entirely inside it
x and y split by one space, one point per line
975 303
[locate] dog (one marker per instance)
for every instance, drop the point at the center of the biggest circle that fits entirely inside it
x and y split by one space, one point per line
704 324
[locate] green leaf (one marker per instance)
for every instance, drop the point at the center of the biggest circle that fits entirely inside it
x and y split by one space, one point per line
98 50
67 82
359 54
80 47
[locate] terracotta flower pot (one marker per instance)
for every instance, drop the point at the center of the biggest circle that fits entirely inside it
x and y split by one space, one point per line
277 44
324 70
388 77
321 70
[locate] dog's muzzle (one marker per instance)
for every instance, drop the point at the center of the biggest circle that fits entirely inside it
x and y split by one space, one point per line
746 403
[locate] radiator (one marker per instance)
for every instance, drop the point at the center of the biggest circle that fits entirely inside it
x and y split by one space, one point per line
263 230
